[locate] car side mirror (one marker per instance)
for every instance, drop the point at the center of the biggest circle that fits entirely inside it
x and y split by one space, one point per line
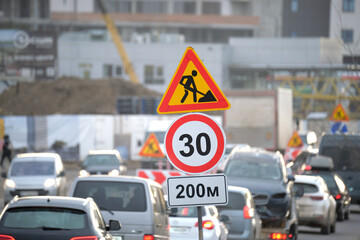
114 225
62 173
225 219
291 178
4 175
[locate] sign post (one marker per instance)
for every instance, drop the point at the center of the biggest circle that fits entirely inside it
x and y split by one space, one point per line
194 143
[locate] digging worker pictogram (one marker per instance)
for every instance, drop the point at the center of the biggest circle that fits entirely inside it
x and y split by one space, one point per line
189 85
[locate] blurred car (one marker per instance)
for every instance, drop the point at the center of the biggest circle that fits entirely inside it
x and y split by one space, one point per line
323 166
243 221
265 175
32 174
344 149
56 218
137 203
298 165
184 223
108 162
316 206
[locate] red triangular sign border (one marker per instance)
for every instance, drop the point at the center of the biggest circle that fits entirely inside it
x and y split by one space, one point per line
334 112
295 135
142 152
221 104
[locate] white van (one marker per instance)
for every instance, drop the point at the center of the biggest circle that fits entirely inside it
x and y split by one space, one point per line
137 203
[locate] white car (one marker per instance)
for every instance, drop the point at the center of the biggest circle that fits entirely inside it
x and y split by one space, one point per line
184 224
316 206
35 174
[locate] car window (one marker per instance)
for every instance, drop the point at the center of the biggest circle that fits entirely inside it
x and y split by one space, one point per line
236 202
253 168
98 220
37 217
305 188
41 168
186 212
101 159
159 203
114 196
346 158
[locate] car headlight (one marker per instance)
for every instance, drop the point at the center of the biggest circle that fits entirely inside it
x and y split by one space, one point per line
10 183
83 173
114 172
50 182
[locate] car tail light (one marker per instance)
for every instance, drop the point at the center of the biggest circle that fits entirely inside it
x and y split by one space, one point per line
85 238
206 224
248 213
6 237
278 236
307 168
337 197
317 198
149 237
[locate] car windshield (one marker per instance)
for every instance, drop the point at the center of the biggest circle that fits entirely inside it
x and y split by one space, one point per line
45 218
346 158
253 168
114 196
190 212
301 188
29 168
101 160
236 202
330 182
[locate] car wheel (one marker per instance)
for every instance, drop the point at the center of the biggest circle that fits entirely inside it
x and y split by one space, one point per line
333 227
340 215
326 229
347 214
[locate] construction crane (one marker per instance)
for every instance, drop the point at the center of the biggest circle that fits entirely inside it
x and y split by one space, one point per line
110 25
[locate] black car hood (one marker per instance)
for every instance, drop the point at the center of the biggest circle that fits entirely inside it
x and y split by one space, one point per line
258 185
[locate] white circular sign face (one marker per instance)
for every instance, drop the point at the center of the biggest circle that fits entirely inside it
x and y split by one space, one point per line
195 143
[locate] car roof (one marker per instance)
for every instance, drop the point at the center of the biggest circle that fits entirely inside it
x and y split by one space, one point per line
257 153
117 178
36 156
96 152
50 201
241 190
308 179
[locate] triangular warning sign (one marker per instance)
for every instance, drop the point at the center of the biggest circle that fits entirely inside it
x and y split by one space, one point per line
295 141
339 114
151 147
192 88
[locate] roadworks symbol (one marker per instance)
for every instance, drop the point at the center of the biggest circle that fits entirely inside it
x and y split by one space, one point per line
151 147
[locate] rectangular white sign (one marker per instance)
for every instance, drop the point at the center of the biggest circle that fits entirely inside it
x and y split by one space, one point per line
197 190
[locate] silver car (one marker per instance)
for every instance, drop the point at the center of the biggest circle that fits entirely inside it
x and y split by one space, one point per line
35 174
316 206
240 215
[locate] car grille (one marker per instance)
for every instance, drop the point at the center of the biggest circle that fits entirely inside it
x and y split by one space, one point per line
99 172
260 199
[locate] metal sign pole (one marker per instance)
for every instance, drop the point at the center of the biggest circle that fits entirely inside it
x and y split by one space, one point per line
200 224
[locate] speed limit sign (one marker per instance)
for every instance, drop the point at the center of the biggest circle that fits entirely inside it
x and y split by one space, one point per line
195 143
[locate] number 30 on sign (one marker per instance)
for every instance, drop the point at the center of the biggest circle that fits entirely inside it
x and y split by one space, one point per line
195 143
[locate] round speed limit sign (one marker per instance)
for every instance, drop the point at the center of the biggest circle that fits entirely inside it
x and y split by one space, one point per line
195 143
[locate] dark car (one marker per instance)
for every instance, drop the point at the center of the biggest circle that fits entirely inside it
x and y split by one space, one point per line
56 218
104 162
337 189
298 165
265 175
344 149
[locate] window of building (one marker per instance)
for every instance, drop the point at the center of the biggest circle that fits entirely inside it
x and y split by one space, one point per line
107 70
118 70
44 8
211 8
184 7
348 5
24 8
154 74
347 35
117 6
151 6
294 5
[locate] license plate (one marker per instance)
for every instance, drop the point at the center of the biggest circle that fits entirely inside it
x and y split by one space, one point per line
28 193
117 237
179 229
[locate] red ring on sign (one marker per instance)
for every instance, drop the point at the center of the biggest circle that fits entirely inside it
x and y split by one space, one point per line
219 136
